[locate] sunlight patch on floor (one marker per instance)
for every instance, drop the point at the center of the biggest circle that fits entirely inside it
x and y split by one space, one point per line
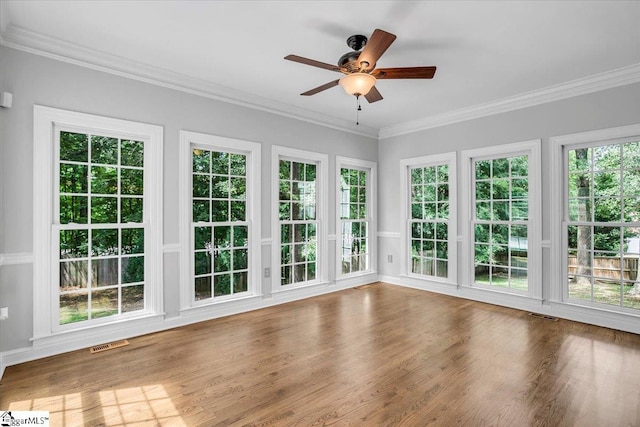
138 406
148 405
64 410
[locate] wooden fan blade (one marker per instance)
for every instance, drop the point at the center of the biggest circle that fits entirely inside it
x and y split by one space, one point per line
321 88
312 62
373 95
375 47
404 73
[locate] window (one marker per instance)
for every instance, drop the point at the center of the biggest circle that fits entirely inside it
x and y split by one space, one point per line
505 217
601 220
99 228
218 210
429 206
300 212
356 209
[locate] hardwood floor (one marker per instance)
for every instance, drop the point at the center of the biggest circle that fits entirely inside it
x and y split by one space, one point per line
380 355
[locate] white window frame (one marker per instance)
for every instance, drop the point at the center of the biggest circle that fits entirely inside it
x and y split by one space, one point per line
406 165
559 192
322 175
47 122
188 141
372 208
532 149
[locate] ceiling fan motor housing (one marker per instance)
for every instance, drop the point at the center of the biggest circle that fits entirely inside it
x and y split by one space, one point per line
349 60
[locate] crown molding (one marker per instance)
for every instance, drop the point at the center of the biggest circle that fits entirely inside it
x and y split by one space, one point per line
38 44
35 43
607 80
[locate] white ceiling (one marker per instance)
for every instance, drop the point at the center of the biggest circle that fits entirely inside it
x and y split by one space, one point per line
485 51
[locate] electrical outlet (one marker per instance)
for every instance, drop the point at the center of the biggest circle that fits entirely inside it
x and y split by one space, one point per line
4 313
389 258
267 272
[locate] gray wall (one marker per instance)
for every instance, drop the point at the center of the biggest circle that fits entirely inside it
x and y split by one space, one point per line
610 108
38 80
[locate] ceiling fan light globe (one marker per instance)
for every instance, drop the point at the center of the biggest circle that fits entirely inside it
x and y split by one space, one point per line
357 83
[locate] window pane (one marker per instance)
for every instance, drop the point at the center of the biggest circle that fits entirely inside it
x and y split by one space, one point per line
201 211
73 307
104 180
132 298
500 168
220 163
131 209
104 272
104 210
240 282
220 210
222 236
238 164
73 209
132 153
221 284
201 160
202 263
131 181
132 241
74 243
222 261
73 178
240 236
132 269
74 147
74 275
104 303
104 242
238 211
104 150
483 169
202 288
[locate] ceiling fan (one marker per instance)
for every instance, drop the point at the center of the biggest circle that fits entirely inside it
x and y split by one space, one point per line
358 67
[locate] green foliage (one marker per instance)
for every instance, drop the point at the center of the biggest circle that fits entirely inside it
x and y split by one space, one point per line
74 209
74 147
74 243
104 150
132 153
133 269
604 185
73 178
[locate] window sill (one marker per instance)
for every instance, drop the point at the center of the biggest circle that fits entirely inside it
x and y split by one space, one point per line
220 303
97 334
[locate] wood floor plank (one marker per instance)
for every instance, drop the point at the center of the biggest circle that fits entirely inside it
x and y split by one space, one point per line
379 355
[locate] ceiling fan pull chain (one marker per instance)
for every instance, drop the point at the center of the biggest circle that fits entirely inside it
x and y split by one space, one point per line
358 110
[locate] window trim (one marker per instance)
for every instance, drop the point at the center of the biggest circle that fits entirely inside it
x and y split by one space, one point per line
46 121
253 152
532 149
372 208
322 210
449 159
559 191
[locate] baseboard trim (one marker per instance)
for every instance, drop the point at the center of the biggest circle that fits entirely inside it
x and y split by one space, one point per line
593 316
